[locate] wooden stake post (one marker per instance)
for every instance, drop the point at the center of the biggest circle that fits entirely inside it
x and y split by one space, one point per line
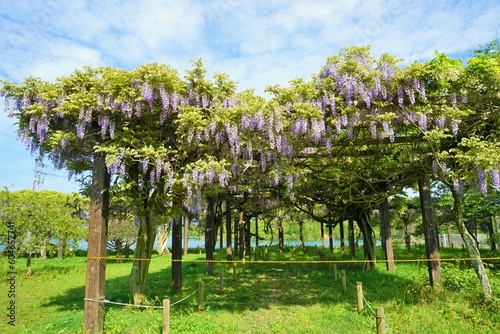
166 316
380 320
359 296
344 285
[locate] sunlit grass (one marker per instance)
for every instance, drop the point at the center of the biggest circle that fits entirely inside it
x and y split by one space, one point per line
267 298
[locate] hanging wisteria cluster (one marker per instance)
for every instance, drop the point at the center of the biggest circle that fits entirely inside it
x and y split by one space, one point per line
366 100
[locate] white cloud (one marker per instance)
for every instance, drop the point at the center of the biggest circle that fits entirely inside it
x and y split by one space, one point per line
258 43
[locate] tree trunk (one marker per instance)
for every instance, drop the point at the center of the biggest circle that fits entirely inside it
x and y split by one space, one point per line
385 225
450 240
322 235
281 235
209 236
60 249
221 231
342 236
177 255
28 265
471 246
408 240
330 237
352 246
186 234
163 233
430 233
127 248
241 236
368 242
118 247
406 221
301 234
142 258
236 234
229 251
248 237
492 232
256 232
43 253
93 313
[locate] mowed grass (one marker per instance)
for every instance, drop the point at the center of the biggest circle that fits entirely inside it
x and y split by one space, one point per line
269 297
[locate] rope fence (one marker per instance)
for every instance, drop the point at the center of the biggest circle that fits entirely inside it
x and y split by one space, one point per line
100 258
166 304
364 301
377 312
361 299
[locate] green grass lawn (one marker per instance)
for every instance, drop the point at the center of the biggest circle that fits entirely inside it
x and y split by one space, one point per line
268 298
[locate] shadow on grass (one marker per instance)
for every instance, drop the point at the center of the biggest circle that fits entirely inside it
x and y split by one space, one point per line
262 286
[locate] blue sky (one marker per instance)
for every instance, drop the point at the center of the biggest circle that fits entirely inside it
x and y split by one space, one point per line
258 43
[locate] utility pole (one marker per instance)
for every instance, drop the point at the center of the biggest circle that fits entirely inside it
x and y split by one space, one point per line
38 181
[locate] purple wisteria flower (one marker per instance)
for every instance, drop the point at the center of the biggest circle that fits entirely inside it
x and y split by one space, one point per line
104 122
495 180
145 164
400 96
147 93
373 129
482 182
111 129
440 122
318 128
328 145
454 128
174 101
223 177
205 101
435 168
80 130
388 71
64 143
453 99
422 122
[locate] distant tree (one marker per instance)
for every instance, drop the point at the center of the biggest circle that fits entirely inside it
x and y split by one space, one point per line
39 218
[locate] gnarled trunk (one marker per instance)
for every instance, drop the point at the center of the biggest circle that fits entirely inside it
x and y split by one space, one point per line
163 233
385 227
471 246
142 258
368 243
